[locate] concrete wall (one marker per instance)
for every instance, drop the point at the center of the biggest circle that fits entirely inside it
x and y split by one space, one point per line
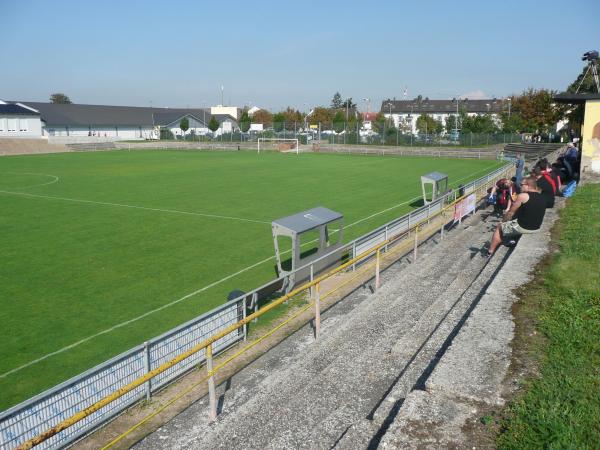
590 150
13 126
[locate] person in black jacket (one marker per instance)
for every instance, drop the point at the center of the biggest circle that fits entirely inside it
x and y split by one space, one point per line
546 185
525 215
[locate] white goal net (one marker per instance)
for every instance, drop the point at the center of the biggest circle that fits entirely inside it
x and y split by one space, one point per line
278 145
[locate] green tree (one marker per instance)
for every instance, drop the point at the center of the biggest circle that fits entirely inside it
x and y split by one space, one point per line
59 97
245 122
451 123
339 121
483 123
262 116
320 115
213 124
537 109
336 101
184 125
427 124
348 104
278 121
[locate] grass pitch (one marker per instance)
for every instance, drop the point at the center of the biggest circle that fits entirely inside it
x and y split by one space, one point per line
93 243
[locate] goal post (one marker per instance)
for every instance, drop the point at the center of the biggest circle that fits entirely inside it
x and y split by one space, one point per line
282 145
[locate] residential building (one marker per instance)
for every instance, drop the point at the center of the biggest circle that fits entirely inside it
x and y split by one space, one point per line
406 112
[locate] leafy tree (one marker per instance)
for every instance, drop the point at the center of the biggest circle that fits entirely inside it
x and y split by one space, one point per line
479 124
278 121
339 121
213 124
378 123
336 101
348 104
537 110
262 116
320 115
245 122
292 117
512 124
59 97
427 124
451 123
184 125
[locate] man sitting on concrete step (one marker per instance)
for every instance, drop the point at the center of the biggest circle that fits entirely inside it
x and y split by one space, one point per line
525 215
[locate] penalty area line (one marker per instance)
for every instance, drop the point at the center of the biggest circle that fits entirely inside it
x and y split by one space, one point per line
144 208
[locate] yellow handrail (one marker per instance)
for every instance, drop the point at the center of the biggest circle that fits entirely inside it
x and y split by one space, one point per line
70 421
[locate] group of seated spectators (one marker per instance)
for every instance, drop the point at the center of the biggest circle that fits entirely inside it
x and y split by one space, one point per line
523 201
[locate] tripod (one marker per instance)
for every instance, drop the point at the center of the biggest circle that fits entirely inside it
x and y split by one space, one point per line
591 65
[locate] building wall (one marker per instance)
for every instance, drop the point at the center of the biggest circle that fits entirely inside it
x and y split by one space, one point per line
590 149
20 126
117 133
231 110
399 118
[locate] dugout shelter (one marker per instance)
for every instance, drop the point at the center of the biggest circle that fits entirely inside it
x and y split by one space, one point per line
439 185
295 226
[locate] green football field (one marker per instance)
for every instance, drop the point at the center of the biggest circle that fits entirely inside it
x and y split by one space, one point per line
93 243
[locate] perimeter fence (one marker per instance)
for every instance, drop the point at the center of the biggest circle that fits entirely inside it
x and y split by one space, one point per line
61 415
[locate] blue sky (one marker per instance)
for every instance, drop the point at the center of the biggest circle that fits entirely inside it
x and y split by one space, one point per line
274 54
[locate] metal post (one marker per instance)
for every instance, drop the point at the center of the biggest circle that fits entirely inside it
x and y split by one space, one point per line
255 302
353 255
212 396
245 307
148 369
312 277
416 243
317 311
377 270
386 238
442 228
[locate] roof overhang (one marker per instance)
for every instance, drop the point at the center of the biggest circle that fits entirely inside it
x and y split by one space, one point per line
575 99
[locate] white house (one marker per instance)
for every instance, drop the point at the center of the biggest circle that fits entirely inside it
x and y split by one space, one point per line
19 121
406 112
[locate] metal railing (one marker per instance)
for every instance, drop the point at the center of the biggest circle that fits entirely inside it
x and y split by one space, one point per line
72 409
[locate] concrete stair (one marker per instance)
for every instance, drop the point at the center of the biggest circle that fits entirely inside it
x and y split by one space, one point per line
376 349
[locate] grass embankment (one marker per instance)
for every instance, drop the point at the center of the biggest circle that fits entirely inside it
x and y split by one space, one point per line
561 407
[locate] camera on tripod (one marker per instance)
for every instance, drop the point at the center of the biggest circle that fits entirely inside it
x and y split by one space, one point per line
591 56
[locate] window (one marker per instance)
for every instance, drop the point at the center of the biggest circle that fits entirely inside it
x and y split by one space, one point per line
23 125
12 125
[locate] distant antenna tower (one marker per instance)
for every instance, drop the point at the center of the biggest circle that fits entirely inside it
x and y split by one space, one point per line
405 93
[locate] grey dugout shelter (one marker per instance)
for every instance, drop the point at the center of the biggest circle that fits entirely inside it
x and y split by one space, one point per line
439 185
294 226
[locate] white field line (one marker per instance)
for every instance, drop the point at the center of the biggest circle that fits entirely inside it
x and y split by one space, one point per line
191 294
144 208
55 180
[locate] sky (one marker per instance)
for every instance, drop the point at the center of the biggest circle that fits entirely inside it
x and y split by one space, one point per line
274 54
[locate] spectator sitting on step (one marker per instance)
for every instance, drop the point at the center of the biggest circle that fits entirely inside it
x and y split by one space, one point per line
524 217
546 185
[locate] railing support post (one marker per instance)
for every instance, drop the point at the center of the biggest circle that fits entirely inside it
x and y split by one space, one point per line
244 313
317 310
255 303
416 243
442 227
353 255
148 368
386 238
312 277
377 269
212 395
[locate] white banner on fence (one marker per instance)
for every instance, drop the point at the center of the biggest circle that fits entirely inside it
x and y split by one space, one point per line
464 207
